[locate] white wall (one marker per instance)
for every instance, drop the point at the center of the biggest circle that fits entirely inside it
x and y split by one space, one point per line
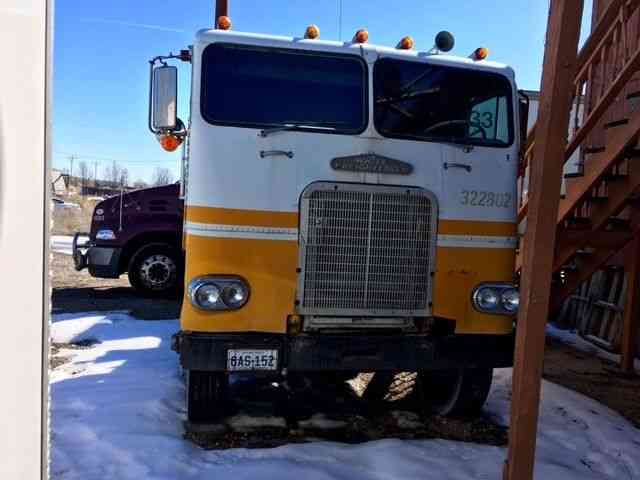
23 34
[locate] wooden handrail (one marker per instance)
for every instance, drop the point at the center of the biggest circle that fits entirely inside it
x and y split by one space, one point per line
600 31
606 28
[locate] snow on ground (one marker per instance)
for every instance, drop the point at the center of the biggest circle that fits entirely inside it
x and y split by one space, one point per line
61 243
117 411
571 337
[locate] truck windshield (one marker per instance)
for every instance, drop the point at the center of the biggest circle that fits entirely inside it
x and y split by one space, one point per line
265 88
438 103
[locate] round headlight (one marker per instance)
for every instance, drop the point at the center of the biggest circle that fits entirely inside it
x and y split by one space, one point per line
235 295
207 296
487 298
510 300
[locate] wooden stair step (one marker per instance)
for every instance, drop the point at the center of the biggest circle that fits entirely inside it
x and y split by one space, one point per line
616 123
619 224
578 223
594 149
633 152
615 176
599 165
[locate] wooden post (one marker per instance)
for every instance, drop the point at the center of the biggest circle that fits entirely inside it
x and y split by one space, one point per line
559 66
222 9
631 322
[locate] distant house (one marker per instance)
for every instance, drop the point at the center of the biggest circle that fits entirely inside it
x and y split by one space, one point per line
59 182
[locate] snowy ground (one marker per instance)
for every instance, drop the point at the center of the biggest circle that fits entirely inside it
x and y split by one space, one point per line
571 337
61 243
117 411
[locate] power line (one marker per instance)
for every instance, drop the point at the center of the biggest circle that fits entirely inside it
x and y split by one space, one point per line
111 159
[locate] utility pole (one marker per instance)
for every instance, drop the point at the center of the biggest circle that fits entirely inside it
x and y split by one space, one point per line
222 9
95 173
71 159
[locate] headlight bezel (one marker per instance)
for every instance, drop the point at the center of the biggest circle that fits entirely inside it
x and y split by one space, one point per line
221 282
500 289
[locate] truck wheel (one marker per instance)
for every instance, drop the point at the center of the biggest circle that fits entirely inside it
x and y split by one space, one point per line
206 392
457 391
155 270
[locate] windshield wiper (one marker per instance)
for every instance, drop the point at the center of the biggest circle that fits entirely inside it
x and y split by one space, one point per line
287 127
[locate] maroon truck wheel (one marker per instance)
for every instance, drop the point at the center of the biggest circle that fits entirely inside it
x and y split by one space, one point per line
155 270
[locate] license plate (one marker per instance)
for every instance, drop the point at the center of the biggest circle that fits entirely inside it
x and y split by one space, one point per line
252 360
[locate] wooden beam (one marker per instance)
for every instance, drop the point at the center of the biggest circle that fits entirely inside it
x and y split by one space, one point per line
631 317
558 71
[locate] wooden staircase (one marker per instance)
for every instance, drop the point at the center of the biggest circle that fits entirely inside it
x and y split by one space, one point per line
600 212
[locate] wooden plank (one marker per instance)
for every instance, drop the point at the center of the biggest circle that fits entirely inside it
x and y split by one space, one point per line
545 178
608 306
631 318
616 327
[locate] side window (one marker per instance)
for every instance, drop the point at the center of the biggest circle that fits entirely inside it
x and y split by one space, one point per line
488 120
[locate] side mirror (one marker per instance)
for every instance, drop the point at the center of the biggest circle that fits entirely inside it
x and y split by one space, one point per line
523 104
164 99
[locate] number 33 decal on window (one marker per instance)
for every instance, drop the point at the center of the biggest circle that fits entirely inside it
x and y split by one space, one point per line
484 119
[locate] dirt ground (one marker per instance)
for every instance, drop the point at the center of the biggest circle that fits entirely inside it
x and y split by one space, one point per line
75 292
399 416
594 377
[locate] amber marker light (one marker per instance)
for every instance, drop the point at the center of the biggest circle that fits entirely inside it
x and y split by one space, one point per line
312 32
480 53
169 142
361 36
405 43
224 23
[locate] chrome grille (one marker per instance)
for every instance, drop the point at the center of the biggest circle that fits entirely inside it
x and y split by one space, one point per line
366 250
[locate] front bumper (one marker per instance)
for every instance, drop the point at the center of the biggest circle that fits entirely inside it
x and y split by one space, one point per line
102 262
203 351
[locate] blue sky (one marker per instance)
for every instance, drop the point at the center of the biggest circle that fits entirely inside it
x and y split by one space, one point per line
101 51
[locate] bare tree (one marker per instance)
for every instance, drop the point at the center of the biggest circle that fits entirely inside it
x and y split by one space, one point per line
162 176
115 174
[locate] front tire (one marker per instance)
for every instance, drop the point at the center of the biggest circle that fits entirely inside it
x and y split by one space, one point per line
156 270
205 396
457 391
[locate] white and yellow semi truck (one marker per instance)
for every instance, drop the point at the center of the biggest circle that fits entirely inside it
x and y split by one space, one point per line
349 207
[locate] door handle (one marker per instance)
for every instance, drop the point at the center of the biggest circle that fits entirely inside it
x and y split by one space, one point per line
464 166
275 153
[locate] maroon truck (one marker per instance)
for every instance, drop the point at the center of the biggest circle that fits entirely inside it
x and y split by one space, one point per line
140 233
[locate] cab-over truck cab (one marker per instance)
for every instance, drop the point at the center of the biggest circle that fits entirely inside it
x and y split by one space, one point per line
349 207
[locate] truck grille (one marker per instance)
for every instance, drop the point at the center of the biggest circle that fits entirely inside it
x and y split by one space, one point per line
366 250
